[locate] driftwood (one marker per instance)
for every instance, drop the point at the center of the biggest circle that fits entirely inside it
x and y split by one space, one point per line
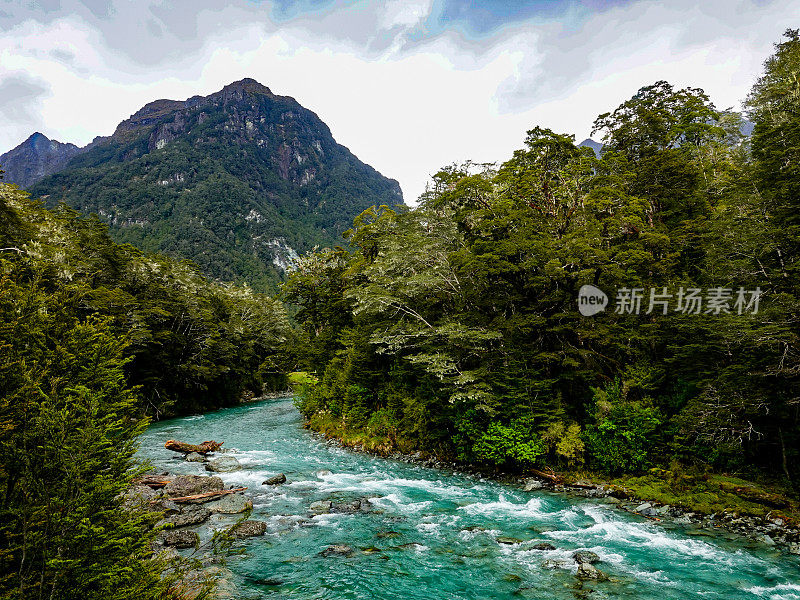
203 448
549 476
153 482
208 495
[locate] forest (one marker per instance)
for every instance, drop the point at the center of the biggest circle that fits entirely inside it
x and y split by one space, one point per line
453 328
97 338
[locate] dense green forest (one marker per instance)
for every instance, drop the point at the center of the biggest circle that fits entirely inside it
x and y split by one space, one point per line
95 338
454 328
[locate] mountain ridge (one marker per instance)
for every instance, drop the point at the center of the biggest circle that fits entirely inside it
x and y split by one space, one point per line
239 181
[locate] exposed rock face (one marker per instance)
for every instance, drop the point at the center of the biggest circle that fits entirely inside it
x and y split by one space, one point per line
223 464
35 158
189 485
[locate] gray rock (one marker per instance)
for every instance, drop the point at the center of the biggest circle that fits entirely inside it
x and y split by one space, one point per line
189 485
589 571
532 485
167 506
231 504
181 538
793 548
350 507
508 540
137 497
321 507
642 507
276 480
223 464
337 550
191 515
543 546
195 457
558 563
249 528
585 557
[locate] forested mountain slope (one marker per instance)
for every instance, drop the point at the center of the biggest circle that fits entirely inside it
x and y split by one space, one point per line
237 181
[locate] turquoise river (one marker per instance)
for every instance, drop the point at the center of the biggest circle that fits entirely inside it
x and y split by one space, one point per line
432 534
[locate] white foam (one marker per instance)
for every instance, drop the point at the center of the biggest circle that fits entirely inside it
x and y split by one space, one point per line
781 591
532 508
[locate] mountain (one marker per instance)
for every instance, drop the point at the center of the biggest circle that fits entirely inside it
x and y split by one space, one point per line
35 158
590 143
239 182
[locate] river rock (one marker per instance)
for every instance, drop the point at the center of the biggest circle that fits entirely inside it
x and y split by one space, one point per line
337 550
249 528
275 480
189 485
585 557
165 505
321 507
231 504
350 507
223 464
191 515
195 457
589 571
558 563
137 496
532 485
181 538
543 546
508 540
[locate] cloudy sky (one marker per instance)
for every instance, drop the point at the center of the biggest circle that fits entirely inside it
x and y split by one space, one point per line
407 85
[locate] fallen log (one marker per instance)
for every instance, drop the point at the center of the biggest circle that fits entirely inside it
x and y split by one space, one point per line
207 495
551 476
203 448
153 483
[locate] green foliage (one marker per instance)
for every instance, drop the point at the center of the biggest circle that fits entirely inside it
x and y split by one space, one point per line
458 321
516 444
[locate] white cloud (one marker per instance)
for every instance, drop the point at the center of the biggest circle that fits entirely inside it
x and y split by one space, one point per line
405 105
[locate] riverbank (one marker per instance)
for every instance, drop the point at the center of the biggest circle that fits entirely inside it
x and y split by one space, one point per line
706 501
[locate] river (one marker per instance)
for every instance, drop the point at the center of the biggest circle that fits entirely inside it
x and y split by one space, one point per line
432 534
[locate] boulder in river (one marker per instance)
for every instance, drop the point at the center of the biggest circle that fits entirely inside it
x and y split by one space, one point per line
195 457
275 480
503 539
543 546
589 571
223 464
585 557
249 528
337 550
321 507
189 485
191 515
181 538
350 507
230 505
